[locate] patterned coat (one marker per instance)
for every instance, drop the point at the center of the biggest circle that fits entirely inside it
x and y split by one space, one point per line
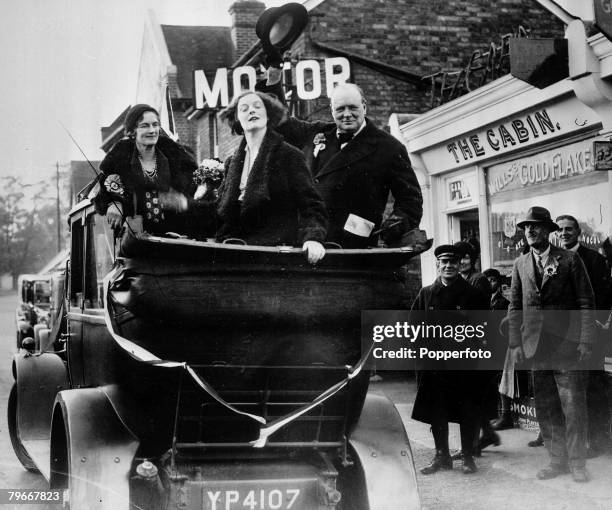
121 179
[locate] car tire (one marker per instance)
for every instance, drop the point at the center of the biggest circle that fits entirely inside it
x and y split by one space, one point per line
20 451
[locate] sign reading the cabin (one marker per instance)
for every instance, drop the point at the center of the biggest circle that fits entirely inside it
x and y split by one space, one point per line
497 139
308 80
557 165
462 191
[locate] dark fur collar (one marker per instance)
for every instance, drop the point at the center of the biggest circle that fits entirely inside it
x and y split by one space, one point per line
171 159
257 191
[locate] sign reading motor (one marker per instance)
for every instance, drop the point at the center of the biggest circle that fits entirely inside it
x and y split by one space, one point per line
308 81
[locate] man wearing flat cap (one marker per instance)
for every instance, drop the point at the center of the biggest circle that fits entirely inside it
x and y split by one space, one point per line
445 395
552 323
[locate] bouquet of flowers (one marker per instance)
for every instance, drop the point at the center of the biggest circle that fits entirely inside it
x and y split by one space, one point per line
208 176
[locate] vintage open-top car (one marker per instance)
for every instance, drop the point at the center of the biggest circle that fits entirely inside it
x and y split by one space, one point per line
186 374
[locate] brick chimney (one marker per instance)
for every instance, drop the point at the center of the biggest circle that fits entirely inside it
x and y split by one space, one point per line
244 15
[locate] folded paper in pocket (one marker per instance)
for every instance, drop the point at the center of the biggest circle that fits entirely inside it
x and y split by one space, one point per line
358 226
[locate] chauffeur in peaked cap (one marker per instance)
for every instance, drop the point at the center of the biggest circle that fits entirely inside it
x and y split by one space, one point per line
444 395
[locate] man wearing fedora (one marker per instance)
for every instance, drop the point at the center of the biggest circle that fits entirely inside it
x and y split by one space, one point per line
552 324
445 395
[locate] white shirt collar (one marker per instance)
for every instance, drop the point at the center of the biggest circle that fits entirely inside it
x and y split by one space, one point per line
543 256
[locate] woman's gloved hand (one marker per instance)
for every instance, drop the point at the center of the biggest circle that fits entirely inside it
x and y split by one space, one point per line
114 215
314 251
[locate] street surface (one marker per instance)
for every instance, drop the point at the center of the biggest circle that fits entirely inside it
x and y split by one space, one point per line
505 480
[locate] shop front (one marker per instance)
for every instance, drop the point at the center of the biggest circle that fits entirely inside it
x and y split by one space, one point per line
485 158
490 155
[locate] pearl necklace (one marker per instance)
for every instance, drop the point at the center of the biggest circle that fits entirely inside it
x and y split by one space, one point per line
149 172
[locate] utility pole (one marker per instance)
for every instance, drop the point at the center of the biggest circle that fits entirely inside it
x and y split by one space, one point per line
57 207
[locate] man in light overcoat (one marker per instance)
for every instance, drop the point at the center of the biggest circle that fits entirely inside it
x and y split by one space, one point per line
552 323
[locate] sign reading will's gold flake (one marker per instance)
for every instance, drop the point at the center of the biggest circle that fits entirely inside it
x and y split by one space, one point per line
554 165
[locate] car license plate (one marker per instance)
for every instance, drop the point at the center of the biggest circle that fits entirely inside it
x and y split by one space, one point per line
253 499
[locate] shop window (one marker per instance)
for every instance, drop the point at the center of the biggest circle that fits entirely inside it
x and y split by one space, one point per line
563 181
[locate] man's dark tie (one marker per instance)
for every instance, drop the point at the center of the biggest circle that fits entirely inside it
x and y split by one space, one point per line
539 264
539 269
344 138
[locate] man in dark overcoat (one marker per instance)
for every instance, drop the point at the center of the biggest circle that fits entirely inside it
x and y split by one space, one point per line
552 323
445 396
467 270
596 266
354 166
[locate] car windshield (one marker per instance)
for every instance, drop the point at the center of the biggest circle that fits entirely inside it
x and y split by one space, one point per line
42 293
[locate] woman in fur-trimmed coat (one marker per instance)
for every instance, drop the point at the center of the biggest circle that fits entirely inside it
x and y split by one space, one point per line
268 197
149 171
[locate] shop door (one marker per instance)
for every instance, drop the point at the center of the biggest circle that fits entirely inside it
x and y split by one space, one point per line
464 226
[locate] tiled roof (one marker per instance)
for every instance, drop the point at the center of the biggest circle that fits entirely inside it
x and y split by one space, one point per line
113 132
194 47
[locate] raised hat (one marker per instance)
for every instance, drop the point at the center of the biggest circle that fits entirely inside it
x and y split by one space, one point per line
537 214
281 26
447 250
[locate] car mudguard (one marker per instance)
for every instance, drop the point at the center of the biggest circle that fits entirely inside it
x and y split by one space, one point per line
39 378
381 445
91 450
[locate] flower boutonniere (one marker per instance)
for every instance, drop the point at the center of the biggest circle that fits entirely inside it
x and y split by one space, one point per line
319 143
550 269
113 184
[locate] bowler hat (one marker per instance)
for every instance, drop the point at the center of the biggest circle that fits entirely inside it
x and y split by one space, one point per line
447 251
281 26
537 214
492 273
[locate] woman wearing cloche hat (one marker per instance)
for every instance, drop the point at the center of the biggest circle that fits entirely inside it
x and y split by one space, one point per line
148 174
